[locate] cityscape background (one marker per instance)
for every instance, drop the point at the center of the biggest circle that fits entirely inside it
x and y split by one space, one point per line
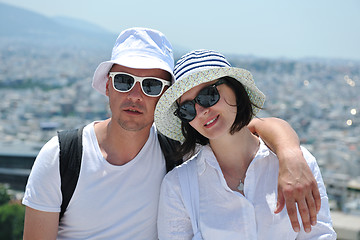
313 82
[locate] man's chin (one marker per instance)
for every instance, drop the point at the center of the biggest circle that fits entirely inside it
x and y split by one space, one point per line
134 126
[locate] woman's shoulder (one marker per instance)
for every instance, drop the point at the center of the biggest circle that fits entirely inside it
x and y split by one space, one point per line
173 175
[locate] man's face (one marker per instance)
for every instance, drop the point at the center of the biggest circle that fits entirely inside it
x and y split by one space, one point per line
133 110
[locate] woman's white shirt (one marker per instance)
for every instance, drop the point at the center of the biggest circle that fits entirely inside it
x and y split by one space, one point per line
226 214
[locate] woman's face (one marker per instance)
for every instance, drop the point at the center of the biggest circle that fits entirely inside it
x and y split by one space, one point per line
215 121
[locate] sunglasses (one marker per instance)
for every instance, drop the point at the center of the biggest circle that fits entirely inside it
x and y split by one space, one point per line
151 86
206 98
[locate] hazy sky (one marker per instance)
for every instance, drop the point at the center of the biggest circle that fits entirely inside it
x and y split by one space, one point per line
268 28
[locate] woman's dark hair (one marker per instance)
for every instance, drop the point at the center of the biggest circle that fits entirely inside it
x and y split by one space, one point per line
243 117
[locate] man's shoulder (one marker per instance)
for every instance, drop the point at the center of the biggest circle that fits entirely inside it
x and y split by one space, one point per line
50 146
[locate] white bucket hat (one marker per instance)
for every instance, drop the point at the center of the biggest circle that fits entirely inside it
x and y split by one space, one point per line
142 48
193 69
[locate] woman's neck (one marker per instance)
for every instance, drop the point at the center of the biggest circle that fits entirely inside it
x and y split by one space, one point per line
235 152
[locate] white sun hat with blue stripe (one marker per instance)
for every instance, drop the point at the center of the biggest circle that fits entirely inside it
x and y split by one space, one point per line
193 69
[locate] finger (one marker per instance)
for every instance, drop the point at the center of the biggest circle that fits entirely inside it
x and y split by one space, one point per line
291 209
280 202
312 209
304 213
317 197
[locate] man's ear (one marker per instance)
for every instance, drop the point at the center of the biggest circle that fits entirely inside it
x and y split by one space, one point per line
107 86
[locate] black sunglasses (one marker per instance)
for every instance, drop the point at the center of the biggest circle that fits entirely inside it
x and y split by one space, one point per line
151 86
207 97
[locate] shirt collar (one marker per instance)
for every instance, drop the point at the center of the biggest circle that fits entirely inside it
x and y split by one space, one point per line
206 156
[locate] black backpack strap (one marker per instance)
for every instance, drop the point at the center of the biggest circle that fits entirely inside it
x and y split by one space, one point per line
169 148
70 142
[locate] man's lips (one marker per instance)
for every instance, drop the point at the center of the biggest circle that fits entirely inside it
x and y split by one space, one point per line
133 110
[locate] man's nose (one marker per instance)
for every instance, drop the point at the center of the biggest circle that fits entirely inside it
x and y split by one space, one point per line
136 92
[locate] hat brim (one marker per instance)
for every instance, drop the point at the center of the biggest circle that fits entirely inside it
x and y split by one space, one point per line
131 61
170 125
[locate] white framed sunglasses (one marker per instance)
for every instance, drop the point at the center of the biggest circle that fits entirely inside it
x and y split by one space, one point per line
151 86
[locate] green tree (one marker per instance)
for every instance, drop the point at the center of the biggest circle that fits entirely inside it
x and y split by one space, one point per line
12 221
11 216
4 196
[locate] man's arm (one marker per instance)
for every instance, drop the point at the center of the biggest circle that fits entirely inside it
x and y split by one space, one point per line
296 183
40 225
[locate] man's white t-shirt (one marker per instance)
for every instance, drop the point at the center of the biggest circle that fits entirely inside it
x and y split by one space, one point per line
109 202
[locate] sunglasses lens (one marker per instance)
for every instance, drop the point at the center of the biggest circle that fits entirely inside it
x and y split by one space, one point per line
152 87
208 97
186 112
123 82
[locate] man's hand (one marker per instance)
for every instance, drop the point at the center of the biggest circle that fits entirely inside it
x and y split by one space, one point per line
297 185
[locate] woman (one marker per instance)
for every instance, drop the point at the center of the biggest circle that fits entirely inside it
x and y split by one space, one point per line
228 190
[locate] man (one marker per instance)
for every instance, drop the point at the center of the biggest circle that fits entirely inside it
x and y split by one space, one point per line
117 193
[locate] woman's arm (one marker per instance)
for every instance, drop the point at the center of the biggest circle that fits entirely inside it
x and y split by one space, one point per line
296 183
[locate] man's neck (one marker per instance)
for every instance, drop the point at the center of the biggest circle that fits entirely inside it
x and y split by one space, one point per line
119 146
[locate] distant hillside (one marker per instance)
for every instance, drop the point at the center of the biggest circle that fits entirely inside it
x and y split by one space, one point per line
80 25
18 25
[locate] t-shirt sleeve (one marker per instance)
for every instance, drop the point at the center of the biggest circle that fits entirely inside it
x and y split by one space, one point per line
42 191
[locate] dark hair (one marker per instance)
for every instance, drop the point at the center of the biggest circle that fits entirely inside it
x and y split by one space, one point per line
243 117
